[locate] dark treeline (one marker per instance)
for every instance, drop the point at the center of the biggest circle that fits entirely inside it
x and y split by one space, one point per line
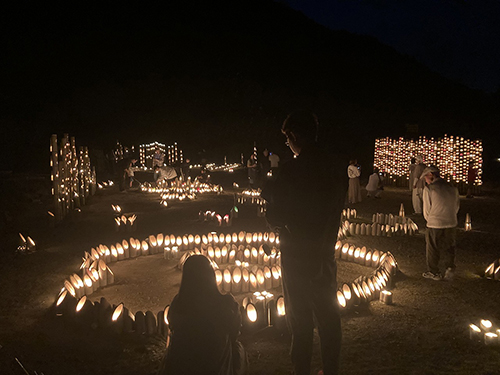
215 76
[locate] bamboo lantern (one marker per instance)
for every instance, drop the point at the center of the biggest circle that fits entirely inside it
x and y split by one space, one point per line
368 258
486 325
226 282
347 293
84 311
367 291
103 274
114 254
87 284
468 224
236 280
253 282
94 275
246 255
402 210
338 247
151 325
355 294
217 255
219 279
491 338
350 253
276 277
65 304
279 321
341 300
144 248
120 251
272 237
496 275
117 319
375 258
490 271
162 320
250 317
140 323
245 280
268 278
362 255
344 251
153 245
110 276
386 297
475 332
261 279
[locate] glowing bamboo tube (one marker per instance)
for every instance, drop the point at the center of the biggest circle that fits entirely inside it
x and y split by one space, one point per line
344 251
268 276
87 284
219 279
224 254
117 319
253 282
346 291
368 258
254 255
110 276
120 251
386 297
103 275
276 280
261 280
226 283
236 280
350 253
153 245
341 300
232 256
144 248
491 338
245 280
486 325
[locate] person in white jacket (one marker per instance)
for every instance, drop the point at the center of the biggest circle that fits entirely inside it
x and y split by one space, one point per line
441 203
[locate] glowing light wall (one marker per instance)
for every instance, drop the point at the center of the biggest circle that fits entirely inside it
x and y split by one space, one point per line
73 179
450 154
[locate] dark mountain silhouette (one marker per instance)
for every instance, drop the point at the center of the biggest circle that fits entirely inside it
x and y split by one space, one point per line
214 75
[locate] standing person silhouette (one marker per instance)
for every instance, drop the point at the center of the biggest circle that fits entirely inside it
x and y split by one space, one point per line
304 204
204 326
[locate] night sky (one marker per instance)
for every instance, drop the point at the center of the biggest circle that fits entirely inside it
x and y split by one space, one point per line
220 75
457 38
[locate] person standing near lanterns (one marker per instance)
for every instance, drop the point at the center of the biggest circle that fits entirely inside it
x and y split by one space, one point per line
164 173
441 203
418 185
411 176
274 161
471 179
304 205
158 158
204 326
375 185
252 168
353 172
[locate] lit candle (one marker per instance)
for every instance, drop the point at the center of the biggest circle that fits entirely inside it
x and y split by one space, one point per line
386 297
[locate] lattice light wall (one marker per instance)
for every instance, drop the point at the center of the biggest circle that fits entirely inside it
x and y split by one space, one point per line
450 154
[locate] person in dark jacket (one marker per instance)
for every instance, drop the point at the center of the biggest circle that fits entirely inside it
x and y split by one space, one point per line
304 204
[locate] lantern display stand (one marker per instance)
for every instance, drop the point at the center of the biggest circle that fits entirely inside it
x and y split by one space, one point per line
451 154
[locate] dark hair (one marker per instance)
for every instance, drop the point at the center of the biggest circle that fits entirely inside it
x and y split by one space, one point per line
303 123
198 281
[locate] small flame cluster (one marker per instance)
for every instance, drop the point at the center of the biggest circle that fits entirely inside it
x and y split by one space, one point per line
485 332
180 190
27 245
223 167
213 217
493 270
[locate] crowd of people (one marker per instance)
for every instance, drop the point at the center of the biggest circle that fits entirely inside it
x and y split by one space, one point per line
262 168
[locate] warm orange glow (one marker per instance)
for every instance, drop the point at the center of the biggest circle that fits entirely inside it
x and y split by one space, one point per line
61 298
81 303
117 313
341 300
280 306
237 275
251 313
218 277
